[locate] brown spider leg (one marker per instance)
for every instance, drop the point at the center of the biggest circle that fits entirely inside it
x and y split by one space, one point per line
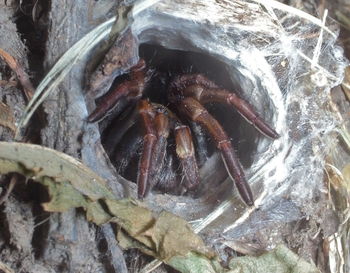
196 112
179 83
130 89
205 95
162 128
184 148
167 181
183 81
200 139
186 154
147 115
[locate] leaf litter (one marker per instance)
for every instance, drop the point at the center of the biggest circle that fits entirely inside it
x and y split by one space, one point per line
165 236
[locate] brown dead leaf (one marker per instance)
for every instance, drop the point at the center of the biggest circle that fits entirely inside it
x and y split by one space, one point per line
70 185
20 72
37 162
116 61
173 236
165 236
134 219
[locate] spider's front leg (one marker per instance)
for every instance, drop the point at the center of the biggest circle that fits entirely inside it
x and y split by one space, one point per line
156 126
185 152
147 114
129 90
196 112
162 126
204 90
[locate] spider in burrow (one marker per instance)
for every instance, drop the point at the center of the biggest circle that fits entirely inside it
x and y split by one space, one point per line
186 96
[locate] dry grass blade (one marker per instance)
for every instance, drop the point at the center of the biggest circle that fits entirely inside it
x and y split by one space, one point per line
5 268
21 74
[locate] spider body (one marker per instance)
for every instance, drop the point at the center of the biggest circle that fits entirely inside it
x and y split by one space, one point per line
185 97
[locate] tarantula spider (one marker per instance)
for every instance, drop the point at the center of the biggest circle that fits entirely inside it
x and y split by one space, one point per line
186 96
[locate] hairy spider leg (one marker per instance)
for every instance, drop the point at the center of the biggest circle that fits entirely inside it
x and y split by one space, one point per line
200 139
184 146
167 181
186 154
162 126
130 90
181 82
147 114
196 112
205 95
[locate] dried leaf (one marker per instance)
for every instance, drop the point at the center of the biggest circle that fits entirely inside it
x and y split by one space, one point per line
6 117
132 217
169 234
21 74
281 260
70 184
194 263
173 236
96 214
164 236
37 162
127 242
119 58
62 196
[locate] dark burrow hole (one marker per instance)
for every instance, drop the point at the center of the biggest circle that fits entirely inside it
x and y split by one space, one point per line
164 64
31 19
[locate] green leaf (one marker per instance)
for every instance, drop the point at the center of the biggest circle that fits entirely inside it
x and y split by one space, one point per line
281 260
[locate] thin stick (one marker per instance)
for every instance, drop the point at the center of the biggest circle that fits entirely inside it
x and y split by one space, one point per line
317 51
12 184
